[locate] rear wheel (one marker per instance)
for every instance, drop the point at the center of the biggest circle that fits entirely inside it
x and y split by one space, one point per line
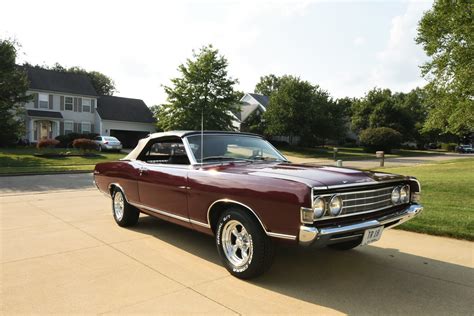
347 245
125 215
246 251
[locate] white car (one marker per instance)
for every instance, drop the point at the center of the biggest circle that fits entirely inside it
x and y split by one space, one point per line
108 143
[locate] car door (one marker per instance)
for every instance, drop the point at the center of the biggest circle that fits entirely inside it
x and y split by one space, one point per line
162 183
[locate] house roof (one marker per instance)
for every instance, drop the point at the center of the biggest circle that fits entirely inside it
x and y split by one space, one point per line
39 113
262 99
124 109
52 80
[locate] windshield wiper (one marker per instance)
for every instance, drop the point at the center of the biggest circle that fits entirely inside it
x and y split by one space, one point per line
261 158
221 158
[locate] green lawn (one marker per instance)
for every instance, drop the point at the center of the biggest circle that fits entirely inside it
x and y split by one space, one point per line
448 198
22 160
346 153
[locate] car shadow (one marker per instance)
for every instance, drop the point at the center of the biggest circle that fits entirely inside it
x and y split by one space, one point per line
365 280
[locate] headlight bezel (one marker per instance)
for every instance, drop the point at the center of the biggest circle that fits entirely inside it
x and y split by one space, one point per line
334 198
320 209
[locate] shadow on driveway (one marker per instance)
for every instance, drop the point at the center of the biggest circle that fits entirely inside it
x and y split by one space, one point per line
366 280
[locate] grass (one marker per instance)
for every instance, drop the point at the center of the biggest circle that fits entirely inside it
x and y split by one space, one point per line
448 198
22 160
346 153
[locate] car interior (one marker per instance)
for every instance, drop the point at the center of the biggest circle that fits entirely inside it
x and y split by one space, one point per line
165 151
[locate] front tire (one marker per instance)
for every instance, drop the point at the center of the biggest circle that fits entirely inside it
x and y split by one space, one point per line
245 250
125 215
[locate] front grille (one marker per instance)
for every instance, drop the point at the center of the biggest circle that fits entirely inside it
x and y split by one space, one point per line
362 201
359 201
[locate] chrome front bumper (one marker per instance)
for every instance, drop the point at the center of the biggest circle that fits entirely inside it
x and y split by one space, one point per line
313 236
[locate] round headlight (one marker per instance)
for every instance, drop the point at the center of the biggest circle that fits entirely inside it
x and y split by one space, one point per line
396 195
335 205
405 194
318 208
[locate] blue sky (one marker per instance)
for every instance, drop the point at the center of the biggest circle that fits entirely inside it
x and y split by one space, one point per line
347 47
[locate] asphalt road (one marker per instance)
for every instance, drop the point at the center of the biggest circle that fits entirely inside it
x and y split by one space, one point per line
61 252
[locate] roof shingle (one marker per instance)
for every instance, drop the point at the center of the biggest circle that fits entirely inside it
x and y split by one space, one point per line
124 109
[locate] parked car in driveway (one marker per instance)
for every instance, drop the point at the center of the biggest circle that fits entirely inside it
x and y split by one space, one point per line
108 143
240 189
465 149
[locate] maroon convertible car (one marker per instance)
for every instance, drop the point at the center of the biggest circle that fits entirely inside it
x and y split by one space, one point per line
239 188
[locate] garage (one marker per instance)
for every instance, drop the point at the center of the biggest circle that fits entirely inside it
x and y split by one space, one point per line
129 139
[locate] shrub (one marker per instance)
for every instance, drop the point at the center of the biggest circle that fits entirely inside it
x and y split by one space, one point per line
84 144
448 146
47 143
380 138
67 140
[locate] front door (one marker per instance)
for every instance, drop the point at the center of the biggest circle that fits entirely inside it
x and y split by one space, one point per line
45 130
162 180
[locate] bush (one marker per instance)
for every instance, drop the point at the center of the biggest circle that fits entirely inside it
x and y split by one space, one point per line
66 141
84 144
448 146
380 138
47 143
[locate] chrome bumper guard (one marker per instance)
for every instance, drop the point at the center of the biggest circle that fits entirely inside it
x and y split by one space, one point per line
313 236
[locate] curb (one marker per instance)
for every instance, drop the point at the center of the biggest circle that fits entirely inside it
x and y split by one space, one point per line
44 173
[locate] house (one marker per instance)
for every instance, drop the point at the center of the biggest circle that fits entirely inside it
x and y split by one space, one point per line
66 103
250 103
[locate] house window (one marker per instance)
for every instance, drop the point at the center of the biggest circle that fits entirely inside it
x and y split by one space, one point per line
86 105
86 127
43 101
68 103
68 127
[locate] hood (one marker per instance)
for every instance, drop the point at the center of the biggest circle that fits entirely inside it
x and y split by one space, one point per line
311 175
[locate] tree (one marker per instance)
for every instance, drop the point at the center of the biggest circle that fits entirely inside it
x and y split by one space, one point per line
298 108
13 87
204 87
446 33
402 112
267 85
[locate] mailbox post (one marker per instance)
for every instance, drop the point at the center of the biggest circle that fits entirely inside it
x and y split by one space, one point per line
381 156
335 153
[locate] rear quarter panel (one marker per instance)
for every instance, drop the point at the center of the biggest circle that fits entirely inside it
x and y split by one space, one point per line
123 173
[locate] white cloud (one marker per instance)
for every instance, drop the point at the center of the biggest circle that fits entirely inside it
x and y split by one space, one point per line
359 41
398 63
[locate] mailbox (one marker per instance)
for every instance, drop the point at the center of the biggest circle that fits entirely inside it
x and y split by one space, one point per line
379 154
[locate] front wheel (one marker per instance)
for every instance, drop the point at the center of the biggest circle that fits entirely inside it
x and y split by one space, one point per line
246 251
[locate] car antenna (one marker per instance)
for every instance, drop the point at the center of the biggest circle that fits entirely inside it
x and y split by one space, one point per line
202 133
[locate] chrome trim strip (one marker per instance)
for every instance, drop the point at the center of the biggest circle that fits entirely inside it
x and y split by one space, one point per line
194 222
356 192
339 186
276 235
282 236
181 218
365 204
355 213
118 186
366 198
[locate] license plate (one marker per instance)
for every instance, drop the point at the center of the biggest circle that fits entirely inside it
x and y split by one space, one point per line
372 235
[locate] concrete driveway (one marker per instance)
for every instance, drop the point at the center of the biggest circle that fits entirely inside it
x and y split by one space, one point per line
61 252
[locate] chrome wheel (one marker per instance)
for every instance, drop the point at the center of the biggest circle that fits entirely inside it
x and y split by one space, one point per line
236 243
119 205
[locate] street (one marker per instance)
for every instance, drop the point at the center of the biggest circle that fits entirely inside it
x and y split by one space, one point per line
61 252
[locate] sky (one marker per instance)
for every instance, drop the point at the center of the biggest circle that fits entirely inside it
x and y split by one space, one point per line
346 47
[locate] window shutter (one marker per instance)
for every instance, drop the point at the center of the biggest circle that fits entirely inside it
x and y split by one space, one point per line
61 128
61 105
92 105
75 127
79 104
36 101
79 128
50 102
92 128
75 105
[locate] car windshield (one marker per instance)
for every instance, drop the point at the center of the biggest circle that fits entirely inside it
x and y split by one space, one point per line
111 139
232 147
